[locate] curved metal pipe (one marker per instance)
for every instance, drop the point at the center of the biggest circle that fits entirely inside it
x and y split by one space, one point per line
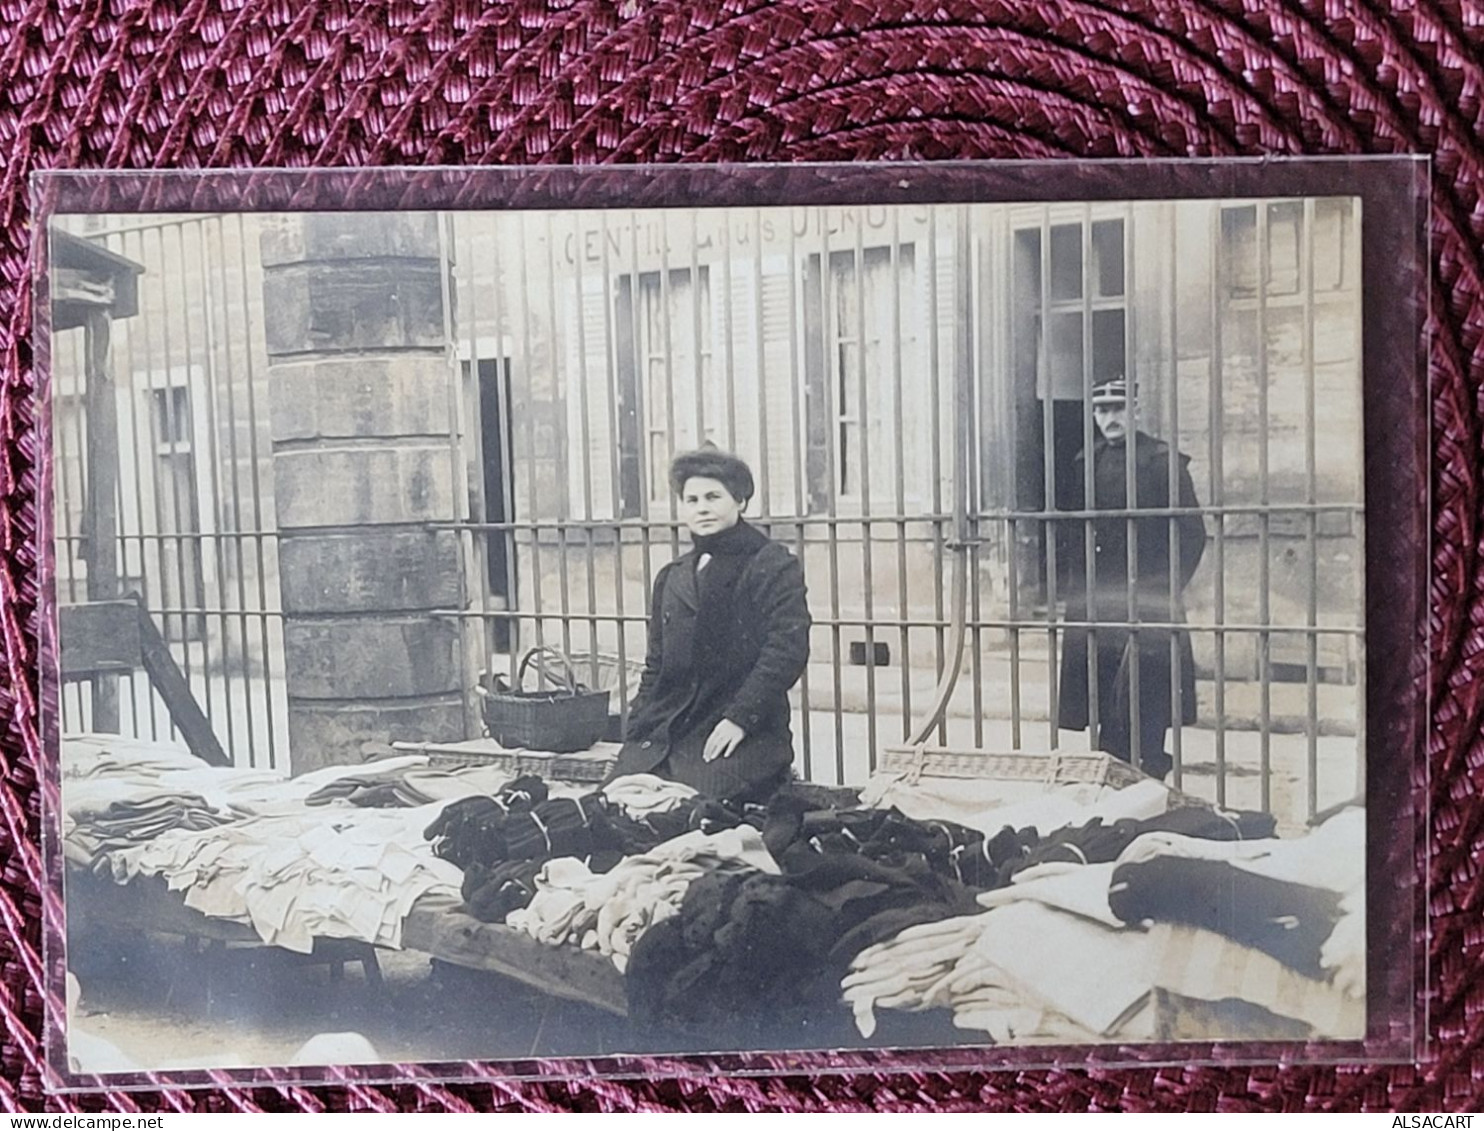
963 537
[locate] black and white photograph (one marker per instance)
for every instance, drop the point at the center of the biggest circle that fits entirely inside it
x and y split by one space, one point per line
487 635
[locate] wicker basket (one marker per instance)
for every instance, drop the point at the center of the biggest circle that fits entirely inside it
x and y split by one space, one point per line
562 718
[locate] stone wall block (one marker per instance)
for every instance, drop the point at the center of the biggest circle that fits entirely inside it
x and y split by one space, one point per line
317 236
375 657
386 570
355 305
346 398
355 486
332 734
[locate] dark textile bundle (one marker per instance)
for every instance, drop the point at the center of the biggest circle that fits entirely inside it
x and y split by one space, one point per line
491 893
501 843
563 826
752 952
794 835
701 814
473 829
1010 851
1288 921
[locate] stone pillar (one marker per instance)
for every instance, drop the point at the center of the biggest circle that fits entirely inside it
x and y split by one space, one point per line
362 462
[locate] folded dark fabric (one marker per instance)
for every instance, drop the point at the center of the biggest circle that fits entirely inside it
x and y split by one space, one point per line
1288 921
1011 851
491 893
756 949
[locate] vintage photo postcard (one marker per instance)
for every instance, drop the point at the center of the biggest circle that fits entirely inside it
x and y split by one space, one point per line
901 609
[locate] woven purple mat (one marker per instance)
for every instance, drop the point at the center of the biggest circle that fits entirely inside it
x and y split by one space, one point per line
184 83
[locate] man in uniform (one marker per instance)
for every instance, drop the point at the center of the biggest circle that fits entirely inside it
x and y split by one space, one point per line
1136 573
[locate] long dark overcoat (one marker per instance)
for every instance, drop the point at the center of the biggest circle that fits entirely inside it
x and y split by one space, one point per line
1112 583
698 672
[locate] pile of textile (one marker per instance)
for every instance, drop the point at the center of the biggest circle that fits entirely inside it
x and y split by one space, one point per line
503 842
1071 951
294 858
114 822
609 911
343 874
405 783
753 949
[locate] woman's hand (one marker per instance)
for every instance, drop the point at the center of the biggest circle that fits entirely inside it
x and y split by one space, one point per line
724 739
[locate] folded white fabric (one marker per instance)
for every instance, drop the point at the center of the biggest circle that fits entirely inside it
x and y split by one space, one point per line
1343 953
1081 889
1092 974
610 911
640 795
1022 969
990 806
341 873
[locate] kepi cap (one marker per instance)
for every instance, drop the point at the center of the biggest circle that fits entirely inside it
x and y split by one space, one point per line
1111 392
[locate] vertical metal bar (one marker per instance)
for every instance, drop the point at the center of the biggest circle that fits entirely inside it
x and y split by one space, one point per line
74 530
150 453
197 541
697 361
1048 484
1137 753
102 475
71 533
760 346
515 626
610 340
1218 498
562 477
467 297
1264 578
257 495
73 527
589 549
1089 492
1002 277
208 324
533 497
667 336
728 330
799 473
898 407
1311 523
642 390
1177 568
139 457
832 366
470 632
238 540
863 414
935 414
972 330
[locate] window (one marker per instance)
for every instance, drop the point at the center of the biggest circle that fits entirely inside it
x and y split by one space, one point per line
170 416
1069 329
1280 224
1070 336
668 401
854 322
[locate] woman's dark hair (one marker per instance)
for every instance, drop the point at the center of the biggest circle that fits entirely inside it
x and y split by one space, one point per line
712 463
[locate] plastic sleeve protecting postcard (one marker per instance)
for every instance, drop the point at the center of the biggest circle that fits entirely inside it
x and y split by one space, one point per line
572 622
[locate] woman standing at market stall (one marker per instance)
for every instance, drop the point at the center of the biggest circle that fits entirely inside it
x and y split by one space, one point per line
728 637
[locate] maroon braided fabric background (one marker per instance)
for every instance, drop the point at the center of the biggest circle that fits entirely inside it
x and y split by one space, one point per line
187 83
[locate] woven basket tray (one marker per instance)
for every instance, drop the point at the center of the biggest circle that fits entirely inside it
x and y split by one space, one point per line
581 768
1047 770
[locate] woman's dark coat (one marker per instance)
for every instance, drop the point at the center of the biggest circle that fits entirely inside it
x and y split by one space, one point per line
737 664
